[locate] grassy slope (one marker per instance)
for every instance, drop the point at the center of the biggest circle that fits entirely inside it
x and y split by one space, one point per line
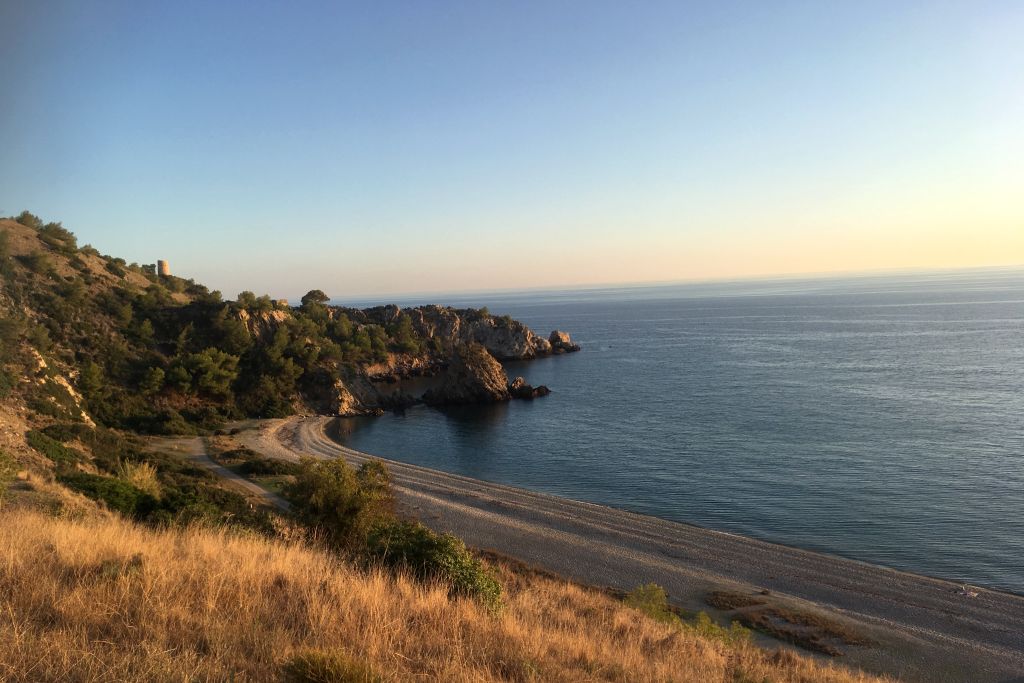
102 599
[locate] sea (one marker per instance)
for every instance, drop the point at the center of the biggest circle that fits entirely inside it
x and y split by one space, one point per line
876 417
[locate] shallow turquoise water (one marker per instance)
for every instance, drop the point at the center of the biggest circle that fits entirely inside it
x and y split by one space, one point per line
876 418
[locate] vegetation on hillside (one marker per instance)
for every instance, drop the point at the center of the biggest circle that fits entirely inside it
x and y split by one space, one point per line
102 599
165 355
121 561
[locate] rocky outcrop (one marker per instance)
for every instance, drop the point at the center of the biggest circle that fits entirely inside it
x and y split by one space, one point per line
503 337
262 324
561 343
520 389
351 396
474 376
400 365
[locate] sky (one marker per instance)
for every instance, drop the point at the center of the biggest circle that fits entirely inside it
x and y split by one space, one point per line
400 147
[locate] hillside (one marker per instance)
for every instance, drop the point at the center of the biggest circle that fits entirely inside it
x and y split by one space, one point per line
164 355
100 599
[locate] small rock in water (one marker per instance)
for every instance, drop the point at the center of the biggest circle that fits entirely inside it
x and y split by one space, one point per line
562 343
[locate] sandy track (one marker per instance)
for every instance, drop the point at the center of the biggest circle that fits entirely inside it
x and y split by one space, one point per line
925 629
195 450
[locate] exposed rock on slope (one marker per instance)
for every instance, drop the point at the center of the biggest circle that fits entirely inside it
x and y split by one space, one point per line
503 337
352 394
262 324
474 376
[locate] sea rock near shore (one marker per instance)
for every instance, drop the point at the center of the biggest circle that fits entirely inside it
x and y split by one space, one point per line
561 342
520 389
474 376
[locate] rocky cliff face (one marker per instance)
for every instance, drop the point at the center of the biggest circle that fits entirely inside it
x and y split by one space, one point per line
399 365
348 396
473 376
262 324
503 337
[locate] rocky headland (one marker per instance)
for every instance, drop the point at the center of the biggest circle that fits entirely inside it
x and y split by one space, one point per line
475 376
466 347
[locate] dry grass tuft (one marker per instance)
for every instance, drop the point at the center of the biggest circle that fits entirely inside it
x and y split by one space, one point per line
102 599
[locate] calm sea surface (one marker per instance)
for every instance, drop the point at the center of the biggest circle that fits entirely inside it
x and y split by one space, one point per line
878 418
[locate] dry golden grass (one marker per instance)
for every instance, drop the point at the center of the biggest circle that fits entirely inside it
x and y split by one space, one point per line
102 599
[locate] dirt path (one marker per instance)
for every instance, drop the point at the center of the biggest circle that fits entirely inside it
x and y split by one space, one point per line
195 450
925 629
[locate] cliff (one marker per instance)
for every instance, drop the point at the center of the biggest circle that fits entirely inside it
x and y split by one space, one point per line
473 376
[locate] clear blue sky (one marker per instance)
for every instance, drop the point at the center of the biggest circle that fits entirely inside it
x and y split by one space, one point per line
388 147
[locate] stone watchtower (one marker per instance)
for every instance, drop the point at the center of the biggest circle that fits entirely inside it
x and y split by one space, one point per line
163 268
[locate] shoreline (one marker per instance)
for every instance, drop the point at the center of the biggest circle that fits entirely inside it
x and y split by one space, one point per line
922 629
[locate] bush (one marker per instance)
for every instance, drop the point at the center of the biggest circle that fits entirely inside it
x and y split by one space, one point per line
251 464
109 449
652 600
434 557
141 475
7 383
116 494
705 626
8 468
172 422
318 666
37 262
59 238
187 500
29 219
52 449
266 467
342 503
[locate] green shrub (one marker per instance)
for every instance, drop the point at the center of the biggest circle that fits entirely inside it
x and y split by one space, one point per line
109 449
37 262
116 494
319 666
59 238
339 501
172 422
52 449
267 467
7 383
115 268
735 634
192 496
434 557
29 220
8 468
652 600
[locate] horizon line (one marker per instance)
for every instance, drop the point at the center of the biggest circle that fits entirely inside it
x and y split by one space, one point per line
652 284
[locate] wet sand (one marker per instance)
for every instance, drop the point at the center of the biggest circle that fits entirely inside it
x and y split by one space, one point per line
925 629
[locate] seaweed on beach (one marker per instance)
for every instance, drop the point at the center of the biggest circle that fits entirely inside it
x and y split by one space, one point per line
809 631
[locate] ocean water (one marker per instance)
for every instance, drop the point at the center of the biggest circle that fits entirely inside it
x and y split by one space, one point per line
877 418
